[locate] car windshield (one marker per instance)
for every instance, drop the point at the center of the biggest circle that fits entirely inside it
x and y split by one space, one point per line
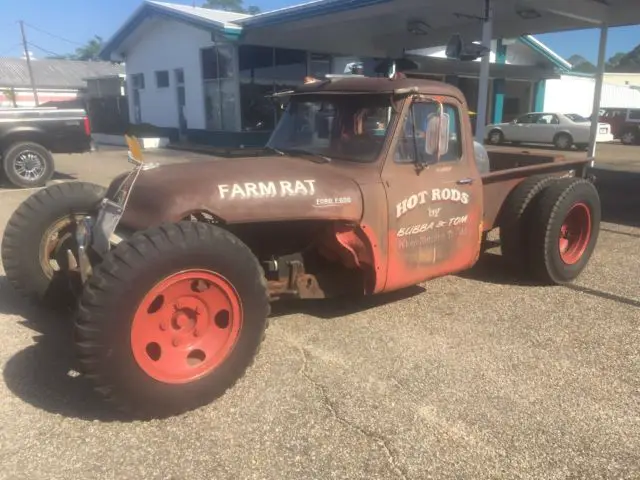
346 127
574 117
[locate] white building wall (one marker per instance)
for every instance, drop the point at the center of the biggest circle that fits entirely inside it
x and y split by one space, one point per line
572 94
167 46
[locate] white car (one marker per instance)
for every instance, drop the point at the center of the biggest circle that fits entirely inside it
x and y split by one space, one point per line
559 129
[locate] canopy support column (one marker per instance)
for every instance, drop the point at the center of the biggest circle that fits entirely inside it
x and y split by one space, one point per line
483 84
597 94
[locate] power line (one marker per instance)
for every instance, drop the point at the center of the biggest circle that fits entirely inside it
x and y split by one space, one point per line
10 49
31 44
53 35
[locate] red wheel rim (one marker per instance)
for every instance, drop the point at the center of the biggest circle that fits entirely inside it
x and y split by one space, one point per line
186 326
575 234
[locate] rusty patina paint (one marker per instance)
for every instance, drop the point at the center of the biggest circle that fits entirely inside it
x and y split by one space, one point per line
401 222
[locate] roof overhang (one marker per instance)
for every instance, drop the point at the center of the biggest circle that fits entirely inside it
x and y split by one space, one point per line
380 27
443 66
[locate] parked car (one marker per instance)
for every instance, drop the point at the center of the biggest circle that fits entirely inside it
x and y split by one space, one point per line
624 122
175 265
559 129
29 137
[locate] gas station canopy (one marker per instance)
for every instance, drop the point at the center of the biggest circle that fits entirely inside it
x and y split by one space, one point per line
390 27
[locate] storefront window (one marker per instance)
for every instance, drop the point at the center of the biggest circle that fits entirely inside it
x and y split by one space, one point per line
263 71
219 87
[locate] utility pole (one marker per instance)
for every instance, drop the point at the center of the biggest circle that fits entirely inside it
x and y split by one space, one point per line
26 53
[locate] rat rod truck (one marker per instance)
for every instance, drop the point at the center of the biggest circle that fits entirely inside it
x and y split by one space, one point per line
367 185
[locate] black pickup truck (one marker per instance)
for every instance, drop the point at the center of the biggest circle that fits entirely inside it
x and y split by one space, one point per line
29 137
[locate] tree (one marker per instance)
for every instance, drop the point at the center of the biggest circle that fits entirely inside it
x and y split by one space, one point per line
614 61
231 6
89 51
629 62
581 64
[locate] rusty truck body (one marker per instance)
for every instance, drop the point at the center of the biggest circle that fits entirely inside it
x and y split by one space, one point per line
367 185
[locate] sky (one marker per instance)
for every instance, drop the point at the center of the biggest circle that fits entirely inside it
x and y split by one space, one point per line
59 27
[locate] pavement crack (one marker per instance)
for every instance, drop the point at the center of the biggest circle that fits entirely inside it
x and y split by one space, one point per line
379 440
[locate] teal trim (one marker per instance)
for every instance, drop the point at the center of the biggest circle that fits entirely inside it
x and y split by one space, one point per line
499 85
552 58
538 101
501 52
232 34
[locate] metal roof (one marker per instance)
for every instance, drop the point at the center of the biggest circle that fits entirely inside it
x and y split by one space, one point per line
206 18
64 74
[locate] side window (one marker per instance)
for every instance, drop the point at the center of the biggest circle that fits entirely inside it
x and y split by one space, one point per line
411 144
528 118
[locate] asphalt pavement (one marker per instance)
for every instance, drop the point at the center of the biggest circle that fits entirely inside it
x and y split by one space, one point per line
470 376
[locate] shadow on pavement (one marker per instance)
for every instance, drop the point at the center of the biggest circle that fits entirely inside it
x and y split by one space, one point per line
337 307
620 196
492 268
45 374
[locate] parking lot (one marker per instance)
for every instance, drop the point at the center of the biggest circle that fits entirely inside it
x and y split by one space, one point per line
471 376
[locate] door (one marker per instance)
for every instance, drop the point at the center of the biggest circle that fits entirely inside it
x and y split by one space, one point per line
520 131
544 129
434 208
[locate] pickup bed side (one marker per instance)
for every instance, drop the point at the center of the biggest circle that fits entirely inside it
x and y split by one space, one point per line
508 169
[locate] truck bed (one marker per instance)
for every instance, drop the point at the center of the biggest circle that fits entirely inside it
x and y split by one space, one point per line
509 168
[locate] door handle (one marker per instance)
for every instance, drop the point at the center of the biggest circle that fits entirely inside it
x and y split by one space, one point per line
465 181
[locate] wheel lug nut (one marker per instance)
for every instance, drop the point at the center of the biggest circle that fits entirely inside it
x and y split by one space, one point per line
163 326
175 342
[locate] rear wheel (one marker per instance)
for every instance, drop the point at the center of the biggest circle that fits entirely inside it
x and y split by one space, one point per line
564 230
172 318
563 141
496 137
514 232
37 237
27 164
629 138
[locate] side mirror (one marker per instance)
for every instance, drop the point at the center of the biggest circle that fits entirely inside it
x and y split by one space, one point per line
457 50
437 134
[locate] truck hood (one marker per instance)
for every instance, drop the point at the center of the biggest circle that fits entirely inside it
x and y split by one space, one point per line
243 190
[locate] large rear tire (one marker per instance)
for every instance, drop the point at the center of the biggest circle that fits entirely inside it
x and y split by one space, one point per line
564 230
514 232
172 318
36 239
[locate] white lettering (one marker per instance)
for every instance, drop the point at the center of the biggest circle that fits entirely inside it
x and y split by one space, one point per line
435 195
412 202
401 208
251 189
312 187
300 189
267 189
283 188
237 191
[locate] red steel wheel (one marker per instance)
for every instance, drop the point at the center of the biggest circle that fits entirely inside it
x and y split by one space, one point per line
575 233
186 326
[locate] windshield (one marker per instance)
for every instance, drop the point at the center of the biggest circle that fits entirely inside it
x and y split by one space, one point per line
347 127
574 117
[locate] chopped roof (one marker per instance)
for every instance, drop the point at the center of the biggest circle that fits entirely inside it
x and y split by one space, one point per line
379 85
47 73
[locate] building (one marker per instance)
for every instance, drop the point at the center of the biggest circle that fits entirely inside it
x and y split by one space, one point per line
55 80
206 74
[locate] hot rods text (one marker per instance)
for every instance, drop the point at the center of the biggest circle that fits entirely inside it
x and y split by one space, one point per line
435 195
